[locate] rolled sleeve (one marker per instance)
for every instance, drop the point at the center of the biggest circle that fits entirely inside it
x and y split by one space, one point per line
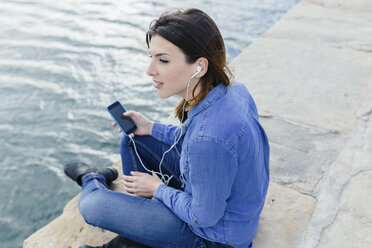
159 192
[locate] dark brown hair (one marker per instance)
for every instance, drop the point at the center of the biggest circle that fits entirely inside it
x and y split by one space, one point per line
197 35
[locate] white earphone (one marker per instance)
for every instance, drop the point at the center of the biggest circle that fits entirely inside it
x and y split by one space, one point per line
164 177
198 70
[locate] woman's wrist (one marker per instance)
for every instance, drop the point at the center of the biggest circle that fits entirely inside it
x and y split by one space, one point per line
156 186
150 127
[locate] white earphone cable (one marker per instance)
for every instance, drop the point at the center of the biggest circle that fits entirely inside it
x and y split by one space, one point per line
164 177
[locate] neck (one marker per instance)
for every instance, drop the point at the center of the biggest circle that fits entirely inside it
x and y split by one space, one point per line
189 92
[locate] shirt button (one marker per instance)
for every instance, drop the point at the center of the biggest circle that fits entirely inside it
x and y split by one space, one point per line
195 220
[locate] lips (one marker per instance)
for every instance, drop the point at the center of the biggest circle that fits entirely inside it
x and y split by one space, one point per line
158 84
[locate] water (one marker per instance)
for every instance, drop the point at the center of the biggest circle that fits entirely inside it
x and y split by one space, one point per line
61 64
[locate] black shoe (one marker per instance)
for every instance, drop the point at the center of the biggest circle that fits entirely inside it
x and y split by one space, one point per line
76 170
109 173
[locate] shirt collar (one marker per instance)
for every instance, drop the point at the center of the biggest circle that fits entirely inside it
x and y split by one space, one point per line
215 94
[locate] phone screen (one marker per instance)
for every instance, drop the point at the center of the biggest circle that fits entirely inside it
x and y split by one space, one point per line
125 123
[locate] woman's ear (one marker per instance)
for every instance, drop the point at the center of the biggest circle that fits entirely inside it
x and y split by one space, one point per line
203 63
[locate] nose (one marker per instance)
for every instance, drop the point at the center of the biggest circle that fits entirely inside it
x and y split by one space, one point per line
151 70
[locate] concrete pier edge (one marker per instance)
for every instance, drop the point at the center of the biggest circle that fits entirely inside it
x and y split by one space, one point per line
311 77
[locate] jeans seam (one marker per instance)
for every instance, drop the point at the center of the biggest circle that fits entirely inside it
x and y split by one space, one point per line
95 179
134 162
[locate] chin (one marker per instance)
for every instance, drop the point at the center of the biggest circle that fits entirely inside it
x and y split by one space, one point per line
163 95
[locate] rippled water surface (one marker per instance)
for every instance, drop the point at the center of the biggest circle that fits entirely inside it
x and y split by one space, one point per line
61 64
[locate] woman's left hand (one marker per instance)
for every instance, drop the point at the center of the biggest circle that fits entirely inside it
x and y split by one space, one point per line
141 184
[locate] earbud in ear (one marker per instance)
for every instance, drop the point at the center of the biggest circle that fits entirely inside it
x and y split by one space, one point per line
198 70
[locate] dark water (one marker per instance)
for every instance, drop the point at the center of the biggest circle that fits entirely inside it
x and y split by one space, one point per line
61 64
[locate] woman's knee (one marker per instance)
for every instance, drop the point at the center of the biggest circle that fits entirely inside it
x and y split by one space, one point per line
90 208
125 141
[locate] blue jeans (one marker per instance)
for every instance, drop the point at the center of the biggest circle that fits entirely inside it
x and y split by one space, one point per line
145 221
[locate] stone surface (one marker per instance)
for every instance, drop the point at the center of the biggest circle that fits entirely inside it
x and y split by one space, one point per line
328 26
70 230
284 217
313 8
311 76
309 111
353 224
352 161
356 5
368 135
299 155
304 83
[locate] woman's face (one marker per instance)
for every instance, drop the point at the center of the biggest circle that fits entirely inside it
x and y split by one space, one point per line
169 70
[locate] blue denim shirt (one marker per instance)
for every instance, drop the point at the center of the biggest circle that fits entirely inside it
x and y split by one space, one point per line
224 166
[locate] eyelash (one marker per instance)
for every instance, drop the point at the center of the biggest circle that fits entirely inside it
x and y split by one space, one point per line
163 61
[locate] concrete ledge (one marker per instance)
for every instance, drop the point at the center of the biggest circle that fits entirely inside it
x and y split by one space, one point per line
308 84
284 217
355 5
336 27
353 224
285 209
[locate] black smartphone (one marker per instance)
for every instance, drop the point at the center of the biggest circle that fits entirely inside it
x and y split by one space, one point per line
125 123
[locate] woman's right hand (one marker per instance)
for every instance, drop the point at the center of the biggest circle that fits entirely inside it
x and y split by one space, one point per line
144 125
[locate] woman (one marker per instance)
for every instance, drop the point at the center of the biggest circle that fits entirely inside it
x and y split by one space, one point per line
217 174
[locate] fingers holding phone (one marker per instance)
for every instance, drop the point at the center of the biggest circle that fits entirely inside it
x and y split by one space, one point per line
131 122
144 125
119 130
125 123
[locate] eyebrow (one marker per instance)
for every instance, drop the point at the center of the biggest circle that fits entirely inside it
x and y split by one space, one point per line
160 54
